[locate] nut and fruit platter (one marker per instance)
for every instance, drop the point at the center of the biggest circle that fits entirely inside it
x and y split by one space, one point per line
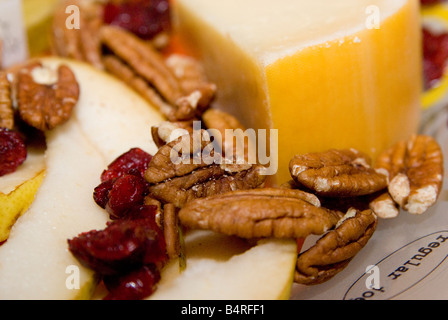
224 150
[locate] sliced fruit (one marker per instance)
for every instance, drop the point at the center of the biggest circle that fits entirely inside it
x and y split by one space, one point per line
14 204
33 165
17 190
225 268
35 259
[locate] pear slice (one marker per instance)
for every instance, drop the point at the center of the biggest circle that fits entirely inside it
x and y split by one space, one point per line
226 268
108 120
17 189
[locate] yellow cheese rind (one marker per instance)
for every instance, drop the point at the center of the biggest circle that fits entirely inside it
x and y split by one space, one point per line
362 90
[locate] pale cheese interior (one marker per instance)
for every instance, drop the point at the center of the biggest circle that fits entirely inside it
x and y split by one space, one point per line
273 29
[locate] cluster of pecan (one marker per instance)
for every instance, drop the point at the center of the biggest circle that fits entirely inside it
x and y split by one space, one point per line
296 212
175 83
337 195
172 186
407 176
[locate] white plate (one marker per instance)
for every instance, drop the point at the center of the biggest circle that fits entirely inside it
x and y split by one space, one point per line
409 253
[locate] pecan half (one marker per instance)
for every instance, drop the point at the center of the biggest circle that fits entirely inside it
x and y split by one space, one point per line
384 206
198 92
195 103
175 158
334 251
221 121
381 203
177 85
120 70
340 173
187 70
171 230
415 171
205 182
78 43
46 99
144 60
6 109
265 212
178 172
167 131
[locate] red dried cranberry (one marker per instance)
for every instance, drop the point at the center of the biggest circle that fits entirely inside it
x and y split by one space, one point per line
133 159
13 151
135 285
126 192
122 246
101 193
144 18
142 212
435 56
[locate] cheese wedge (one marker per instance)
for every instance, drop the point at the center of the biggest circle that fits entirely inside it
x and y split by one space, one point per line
38 15
325 74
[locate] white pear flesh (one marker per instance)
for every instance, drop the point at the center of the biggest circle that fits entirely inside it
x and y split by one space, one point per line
29 169
226 268
17 189
109 119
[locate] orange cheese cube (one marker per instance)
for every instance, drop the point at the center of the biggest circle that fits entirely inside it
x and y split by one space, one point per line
325 74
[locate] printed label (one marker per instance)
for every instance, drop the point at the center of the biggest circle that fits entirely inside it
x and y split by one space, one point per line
403 269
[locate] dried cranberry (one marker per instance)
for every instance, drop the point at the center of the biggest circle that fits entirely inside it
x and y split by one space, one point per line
144 18
122 183
120 195
142 212
135 158
435 56
101 193
13 151
135 285
122 246
126 192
